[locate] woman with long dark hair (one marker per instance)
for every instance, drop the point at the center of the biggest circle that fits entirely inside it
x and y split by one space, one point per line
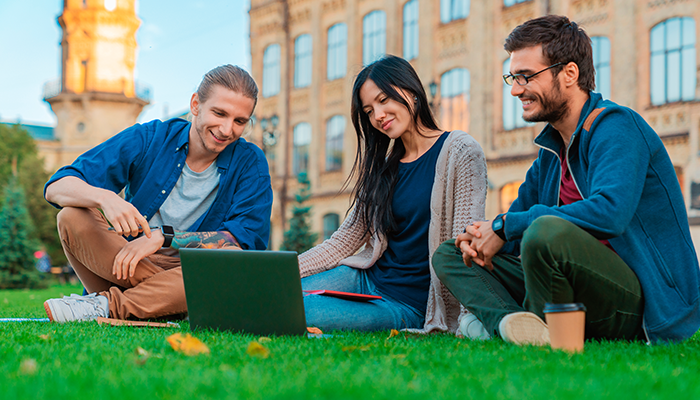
416 186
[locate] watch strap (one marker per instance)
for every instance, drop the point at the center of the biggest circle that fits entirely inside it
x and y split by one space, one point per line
168 234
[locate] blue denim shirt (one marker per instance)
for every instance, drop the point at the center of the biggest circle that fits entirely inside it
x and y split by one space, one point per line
631 197
146 161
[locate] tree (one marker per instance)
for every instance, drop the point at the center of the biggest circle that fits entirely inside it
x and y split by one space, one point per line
19 156
299 237
17 259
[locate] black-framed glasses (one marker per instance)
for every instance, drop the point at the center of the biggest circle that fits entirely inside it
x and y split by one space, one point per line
521 79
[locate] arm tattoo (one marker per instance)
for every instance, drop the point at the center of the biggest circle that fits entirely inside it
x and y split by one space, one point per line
204 240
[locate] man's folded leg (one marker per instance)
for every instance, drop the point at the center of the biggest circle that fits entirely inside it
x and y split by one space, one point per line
91 249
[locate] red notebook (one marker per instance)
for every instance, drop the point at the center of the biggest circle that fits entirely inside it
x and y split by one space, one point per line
344 295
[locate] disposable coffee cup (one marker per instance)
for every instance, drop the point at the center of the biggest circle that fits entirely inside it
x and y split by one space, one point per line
566 322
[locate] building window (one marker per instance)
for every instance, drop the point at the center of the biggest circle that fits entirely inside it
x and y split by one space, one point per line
331 222
512 107
673 75
509 3
302 139
271 70
451 10
454 103
509 192
410 30
601 63
302 61
335 128
373 36
337 51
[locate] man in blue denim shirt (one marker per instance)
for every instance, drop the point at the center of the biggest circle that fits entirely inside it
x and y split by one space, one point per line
600 218
196 184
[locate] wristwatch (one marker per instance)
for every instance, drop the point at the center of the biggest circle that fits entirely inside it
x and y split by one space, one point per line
168 235
498 225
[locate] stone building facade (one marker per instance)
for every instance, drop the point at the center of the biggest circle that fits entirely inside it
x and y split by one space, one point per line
306 53
96 96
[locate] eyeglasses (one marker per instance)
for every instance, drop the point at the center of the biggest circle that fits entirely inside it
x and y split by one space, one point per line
524 79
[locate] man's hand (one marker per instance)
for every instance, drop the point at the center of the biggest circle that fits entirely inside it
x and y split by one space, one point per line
486 243
133 252
124 217
74 192
464 242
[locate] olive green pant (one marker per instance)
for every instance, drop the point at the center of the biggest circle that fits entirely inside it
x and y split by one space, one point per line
559 263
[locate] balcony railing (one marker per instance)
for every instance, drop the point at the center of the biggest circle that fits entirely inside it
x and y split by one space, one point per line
54 88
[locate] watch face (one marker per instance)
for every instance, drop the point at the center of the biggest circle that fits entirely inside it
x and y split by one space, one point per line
497 224
167 230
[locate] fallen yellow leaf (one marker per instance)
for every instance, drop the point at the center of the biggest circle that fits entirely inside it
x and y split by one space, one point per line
255 349
393 333
264 339
187 344
45 337
315 331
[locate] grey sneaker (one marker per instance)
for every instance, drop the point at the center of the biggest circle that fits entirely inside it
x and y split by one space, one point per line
77 308
470 327
524 328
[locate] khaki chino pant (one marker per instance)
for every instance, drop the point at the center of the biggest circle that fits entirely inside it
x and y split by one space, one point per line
155 290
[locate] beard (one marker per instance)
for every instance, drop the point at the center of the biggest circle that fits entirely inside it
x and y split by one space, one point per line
555 106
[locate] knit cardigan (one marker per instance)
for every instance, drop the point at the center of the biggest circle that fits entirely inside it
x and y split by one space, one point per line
457 199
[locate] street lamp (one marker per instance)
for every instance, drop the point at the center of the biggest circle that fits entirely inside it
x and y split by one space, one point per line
432 87
269 134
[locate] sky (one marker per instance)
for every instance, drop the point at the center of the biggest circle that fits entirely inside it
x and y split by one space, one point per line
178 42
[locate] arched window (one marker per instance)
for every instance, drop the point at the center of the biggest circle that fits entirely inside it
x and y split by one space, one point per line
302 139
373 36
271 70
454 103
673 70
335 128
410 30
601 63
337 51
512 107
331 222
302 61
451 10
509 192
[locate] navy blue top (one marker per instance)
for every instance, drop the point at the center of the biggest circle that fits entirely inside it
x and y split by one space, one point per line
146 161
403 271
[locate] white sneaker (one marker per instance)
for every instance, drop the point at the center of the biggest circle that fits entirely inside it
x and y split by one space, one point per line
470 327
524 328
77 308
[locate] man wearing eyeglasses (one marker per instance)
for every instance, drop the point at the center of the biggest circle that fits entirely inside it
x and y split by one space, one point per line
599 219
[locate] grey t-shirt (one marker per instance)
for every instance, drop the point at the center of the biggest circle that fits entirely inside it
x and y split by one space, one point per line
193 194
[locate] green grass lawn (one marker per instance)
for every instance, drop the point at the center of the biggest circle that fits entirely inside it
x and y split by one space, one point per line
89 361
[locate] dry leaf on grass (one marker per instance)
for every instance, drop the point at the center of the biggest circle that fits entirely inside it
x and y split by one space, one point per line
355 348
187 344
264 339
140 351
28 366
315 331
255 349
393 333
45 337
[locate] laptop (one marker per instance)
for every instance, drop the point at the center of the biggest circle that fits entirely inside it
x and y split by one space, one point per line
247 291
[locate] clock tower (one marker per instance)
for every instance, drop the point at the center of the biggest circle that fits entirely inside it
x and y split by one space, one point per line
96 96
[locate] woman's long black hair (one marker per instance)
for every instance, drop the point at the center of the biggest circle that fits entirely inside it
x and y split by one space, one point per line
377 161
